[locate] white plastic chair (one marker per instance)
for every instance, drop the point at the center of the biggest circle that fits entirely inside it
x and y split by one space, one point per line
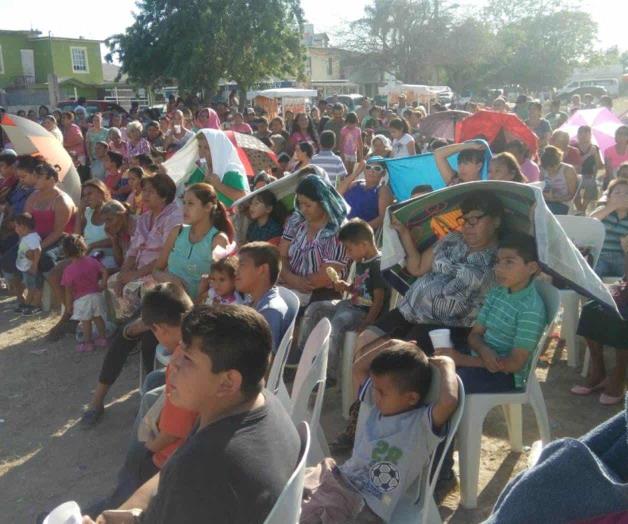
287 509
584 232
478 405
311 372
418 505
275 377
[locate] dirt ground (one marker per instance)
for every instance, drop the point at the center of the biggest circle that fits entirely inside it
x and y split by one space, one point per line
47 459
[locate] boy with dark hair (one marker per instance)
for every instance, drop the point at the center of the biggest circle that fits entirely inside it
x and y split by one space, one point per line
398 437
28 255
470 161
258 269
369 293
8 173
233 468
327 159
112 162
97 167
509 325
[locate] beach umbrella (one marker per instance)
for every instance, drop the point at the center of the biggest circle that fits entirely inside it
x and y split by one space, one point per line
525 211
29 138
497 129
405 173
254 154
603 125
441 124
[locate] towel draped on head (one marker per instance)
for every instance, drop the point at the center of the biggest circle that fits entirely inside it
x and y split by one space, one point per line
336 208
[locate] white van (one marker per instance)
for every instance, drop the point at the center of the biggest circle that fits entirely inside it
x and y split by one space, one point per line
610 84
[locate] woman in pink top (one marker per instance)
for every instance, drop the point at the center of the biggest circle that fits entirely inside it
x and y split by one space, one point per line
351 147
73 137
151 231
616 155
117 144
136 144
529 168
303 131
239 125
207 118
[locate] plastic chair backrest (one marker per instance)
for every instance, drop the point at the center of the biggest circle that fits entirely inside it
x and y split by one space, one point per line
551 299
584 232
276 371
287 509
312 370
429 476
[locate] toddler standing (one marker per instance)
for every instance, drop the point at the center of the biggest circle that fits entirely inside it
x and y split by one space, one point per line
85 279
28 253
351 142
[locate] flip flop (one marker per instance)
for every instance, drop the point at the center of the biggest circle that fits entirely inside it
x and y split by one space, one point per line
91 417
607 400
586 390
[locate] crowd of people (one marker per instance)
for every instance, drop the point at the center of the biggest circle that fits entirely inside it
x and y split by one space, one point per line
134 265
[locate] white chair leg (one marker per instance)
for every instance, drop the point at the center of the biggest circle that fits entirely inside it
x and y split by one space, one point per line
346 377
512 413
586 363
537 401
469 447
46 297
570 302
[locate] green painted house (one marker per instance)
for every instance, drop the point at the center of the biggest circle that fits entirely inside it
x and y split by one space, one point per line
27 59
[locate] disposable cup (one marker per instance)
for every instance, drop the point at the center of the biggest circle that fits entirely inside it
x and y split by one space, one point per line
441 338
66 513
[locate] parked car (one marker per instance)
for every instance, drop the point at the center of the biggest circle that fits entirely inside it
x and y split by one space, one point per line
610 84
94 106
352 101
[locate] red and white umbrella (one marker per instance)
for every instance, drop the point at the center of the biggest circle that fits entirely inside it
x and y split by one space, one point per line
254 154
29 138
603 124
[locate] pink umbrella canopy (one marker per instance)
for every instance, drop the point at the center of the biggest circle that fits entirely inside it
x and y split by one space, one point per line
603 124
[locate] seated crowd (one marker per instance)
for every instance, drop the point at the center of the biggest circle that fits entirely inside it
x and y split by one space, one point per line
142 263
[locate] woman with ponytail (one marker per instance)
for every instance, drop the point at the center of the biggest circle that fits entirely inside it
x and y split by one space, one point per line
187 253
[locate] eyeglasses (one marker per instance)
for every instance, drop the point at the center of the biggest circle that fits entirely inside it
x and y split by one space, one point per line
375 168
471 221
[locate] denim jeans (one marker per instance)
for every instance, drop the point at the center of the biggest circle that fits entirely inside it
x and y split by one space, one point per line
610 265
343 316
574 479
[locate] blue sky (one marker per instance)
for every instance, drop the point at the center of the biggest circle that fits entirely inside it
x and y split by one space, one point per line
73 18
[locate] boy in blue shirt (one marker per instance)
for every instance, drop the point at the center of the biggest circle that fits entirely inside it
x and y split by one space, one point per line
509 325
393 445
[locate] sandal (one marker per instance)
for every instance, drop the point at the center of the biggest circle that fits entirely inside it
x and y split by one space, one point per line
91 417
84 347
608 400
586 390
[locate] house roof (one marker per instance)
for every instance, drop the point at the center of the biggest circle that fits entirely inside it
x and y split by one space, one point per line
110 72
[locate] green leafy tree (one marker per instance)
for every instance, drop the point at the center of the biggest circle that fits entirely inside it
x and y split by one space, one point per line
195 43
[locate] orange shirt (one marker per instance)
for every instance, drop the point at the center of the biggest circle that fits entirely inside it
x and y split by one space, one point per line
174 421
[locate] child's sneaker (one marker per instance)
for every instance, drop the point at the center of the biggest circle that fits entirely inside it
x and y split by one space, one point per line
21 307
31 310
84 347
101 342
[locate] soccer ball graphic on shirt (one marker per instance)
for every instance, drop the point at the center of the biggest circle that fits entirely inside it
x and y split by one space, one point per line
384 476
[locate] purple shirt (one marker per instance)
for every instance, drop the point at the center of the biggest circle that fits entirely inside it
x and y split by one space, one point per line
141 148
151 233
531 170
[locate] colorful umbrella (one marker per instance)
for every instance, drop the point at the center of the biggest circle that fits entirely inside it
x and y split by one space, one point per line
29 138
441 124
525 212
254 154
497 129
603 125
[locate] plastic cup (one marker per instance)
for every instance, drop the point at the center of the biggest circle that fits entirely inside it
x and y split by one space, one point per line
441 338
66 513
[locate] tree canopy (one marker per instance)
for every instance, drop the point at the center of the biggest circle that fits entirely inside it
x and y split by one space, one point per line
195 43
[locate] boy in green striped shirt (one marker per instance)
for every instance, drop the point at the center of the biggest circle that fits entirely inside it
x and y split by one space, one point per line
508 326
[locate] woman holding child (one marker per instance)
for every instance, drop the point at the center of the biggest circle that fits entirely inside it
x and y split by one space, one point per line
310 241
187 253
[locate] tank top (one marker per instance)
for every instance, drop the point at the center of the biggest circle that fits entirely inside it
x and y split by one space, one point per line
45 220
557 183
191 260
93 233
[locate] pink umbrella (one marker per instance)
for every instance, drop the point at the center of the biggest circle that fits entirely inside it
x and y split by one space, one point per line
603 124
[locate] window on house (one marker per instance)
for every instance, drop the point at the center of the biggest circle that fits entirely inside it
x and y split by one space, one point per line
330 66
1 62
79 60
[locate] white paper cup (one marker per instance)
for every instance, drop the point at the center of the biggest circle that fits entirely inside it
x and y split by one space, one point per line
441 338
66 513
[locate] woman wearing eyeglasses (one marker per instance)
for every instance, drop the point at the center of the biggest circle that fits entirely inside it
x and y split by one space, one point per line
453 276
370 197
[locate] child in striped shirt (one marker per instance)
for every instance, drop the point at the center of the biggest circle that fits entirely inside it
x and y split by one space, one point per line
509 325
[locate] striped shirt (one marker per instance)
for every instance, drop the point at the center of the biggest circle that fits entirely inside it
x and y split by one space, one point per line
331 163
616 228
513 321
305 256
452 292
